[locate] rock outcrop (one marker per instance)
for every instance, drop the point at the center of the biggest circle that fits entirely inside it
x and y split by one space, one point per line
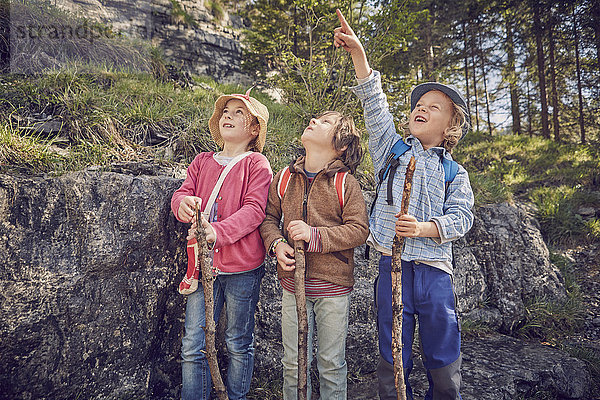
501 264
500 367
88 267
90 263
187 31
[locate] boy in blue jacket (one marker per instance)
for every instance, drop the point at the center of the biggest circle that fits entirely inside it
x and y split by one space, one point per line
439 212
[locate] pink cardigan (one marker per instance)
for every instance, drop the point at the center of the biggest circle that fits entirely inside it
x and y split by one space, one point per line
240 207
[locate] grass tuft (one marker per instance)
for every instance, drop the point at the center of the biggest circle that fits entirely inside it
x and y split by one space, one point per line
50 38
558 214
551 321
27 152
474 329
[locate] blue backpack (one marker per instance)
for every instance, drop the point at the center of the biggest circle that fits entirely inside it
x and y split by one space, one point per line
391 164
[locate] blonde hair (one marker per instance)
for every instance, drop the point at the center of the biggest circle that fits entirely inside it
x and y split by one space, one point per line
345 134
458 125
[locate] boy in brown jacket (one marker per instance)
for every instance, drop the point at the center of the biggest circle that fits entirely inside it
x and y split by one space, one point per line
322 204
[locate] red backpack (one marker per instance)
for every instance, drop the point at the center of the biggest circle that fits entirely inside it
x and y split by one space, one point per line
286 174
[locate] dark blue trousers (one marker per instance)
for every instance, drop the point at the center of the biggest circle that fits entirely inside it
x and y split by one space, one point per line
427 292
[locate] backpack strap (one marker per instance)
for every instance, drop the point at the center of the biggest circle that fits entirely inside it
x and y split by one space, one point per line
339 182
284 180
391 164
389 168
215 191
399 148
450 170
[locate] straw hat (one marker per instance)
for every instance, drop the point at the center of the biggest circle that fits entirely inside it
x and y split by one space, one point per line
255 107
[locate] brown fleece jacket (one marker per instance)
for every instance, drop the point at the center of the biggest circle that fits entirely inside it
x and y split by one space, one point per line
341 230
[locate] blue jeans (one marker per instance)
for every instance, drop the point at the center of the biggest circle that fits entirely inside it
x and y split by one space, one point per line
240 293
331 317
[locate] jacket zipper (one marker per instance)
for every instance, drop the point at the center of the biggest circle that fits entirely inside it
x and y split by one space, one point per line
307 187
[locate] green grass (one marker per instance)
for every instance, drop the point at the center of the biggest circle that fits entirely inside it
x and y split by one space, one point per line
557 213
474 329
549 320
180 16
216 9
523 162
558 178
110 116
567 272
67 39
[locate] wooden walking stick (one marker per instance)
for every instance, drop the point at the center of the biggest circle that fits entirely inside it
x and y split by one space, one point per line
397 306
208 279
300 293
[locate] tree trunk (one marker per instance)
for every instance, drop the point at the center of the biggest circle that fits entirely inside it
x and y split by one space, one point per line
596 25
429 55
208 279
295 28
485 91
300 294
466 54
397 306
529 114
5 36
476 103
512 75
578 67
537 27
554 92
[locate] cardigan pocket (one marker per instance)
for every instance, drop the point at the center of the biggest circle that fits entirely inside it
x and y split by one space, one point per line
340 257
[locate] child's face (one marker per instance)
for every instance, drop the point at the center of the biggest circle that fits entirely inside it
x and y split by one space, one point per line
430 118
319 131
235 123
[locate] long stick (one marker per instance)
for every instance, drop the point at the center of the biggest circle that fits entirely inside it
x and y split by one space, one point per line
210 329
300 293
397 306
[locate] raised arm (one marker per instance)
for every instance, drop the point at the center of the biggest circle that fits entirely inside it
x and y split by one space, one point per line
344 37
378 119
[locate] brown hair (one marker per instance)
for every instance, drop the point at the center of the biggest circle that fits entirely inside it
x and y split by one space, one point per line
346 135
254 143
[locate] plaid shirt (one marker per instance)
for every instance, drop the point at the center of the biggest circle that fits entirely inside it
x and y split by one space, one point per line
429 200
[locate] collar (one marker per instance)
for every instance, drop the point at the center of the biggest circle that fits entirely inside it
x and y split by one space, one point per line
330 169
416 144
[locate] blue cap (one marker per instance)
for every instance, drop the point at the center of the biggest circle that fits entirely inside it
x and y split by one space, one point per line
449 90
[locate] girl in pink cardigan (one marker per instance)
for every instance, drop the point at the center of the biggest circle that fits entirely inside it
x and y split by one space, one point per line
238 125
